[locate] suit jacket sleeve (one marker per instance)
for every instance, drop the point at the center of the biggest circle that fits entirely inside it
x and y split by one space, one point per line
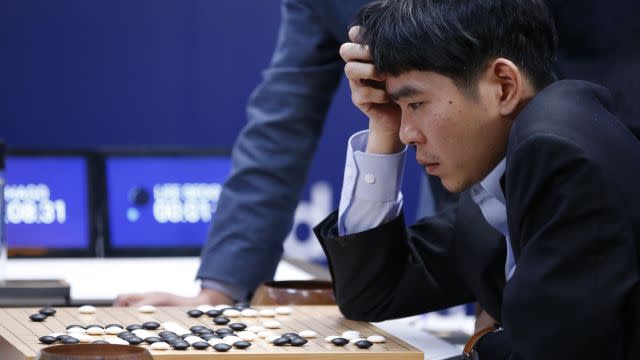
575 257
391 271
272 154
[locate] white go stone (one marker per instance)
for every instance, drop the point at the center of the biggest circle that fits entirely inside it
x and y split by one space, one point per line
308 334
160 345
87 309
330 337
284 310
268 313
376 339
247 335
114 330
147 309
84 338
249 313
142 333
256 328
351 334
215 341
76 330
204 308
222 306
193 339
271 324
270 339
95 331
355 340
231 339
116 341
231 313
265 334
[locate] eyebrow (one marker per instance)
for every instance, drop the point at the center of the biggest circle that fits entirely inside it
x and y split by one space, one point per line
405 91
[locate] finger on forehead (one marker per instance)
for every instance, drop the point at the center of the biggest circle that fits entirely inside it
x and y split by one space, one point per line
352 51
355 34
360 70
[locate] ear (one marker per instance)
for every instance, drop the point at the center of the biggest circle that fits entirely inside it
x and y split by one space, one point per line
509 85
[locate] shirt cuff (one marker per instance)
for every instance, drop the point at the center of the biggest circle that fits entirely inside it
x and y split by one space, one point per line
234 292
379 176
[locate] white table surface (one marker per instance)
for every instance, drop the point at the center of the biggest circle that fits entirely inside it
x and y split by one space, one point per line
100 279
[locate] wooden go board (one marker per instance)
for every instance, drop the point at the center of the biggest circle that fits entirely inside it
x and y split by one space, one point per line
19 336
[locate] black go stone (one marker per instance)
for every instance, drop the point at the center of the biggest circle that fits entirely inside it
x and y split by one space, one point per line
184 336
152 339
47 311
70 340
208 337
114 325
134 340
126 334
150 325
298 341
237 326
60 337
290 335
99 342
214 313
37 317
340 341
241 305
281 341
195 313
223 331
204 331
200 345
94 326
363 344
222 347
47 339
164 333
221 320
171 338
134 327
241 344
196 328
74 326
222 336
180 345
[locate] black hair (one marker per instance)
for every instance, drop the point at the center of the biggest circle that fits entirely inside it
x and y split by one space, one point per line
457 38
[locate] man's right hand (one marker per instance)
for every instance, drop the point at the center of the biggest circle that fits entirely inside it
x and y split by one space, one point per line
369 95
206 296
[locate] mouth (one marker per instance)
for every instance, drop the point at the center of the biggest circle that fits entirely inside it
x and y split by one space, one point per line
431 168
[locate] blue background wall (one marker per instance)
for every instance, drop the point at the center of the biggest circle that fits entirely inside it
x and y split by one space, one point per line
158 73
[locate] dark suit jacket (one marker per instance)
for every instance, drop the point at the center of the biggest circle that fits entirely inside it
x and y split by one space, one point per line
573 211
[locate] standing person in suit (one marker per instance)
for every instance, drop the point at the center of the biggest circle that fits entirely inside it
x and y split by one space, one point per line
546 233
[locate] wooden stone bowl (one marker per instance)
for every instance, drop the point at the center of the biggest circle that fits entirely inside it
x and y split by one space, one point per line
294 292
93 352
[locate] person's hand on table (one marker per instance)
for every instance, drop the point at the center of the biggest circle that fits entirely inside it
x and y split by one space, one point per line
369 95
206 296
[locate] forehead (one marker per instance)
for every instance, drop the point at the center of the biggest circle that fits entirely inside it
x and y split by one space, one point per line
416 82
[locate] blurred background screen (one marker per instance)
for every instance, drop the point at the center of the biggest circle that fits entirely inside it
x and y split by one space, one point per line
157 203
47 205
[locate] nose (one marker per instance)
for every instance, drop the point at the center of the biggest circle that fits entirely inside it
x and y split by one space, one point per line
410 133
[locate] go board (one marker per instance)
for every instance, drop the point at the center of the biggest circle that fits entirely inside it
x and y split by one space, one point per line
19 336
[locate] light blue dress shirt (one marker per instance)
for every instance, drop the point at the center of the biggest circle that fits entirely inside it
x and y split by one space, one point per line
371 193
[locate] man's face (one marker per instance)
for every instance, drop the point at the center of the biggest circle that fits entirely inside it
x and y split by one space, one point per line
458 137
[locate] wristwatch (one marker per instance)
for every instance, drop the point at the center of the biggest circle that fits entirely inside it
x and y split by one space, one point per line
469 352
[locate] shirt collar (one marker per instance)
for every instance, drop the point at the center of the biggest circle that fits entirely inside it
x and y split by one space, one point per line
491 183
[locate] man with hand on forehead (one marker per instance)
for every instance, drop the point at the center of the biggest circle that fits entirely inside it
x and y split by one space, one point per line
545 234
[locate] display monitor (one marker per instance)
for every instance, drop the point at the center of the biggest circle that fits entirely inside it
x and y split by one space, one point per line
47 205
162 204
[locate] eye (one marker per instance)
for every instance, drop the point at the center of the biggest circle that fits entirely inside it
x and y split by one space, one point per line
414 106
